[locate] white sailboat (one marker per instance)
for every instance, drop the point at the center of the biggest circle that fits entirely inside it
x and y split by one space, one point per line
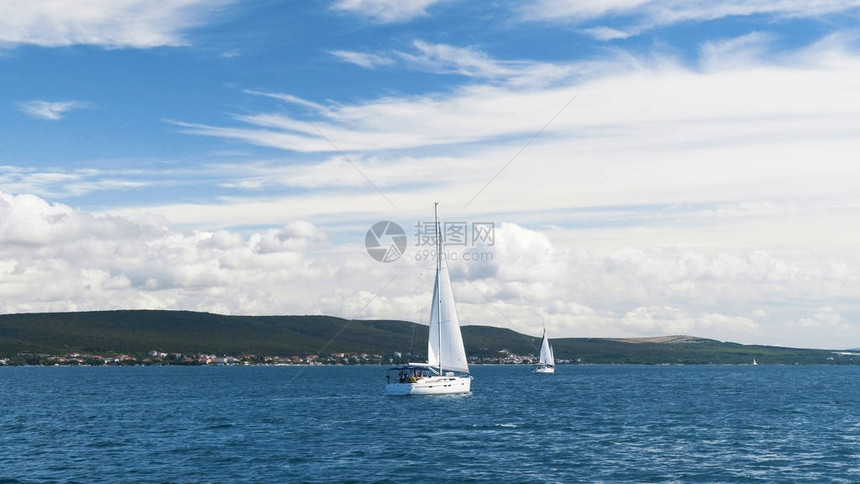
755 363
446 371
546 362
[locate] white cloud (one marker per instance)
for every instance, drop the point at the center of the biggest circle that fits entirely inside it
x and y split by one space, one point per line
619 104
386 11
725 152
52 111
288 98
107 23
718 200
57 183
658 320
296 236
109 262
579 10
520 257
609 33
663 320
464 61
825 318
363 59
742 51
98 261
473 63
449 59
631 17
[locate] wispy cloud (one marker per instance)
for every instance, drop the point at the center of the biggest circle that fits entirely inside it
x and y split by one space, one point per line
612 19
107 23
53 111
55 183
579 10
468 62
363 59
473 63
746 50
386 11
609 33
623 103
289 98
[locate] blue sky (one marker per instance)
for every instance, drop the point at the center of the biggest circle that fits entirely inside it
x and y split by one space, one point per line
652 167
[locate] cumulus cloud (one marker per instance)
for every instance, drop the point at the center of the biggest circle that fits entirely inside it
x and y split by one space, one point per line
667 265
826 318
107 23
98 261
109 262
53 111
296 236
658 320
522 255
662 320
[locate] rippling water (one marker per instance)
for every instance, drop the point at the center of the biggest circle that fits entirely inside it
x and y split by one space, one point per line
334 424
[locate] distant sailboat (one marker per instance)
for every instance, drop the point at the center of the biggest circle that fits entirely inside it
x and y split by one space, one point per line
446 370
546 362
755 363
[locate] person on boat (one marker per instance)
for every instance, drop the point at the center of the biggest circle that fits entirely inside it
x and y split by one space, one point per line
414 377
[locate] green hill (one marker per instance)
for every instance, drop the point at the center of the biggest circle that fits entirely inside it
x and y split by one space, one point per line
137 332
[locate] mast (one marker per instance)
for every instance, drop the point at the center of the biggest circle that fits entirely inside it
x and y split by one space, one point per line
438 284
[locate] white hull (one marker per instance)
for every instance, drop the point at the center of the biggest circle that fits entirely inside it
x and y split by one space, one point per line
432 385
545 369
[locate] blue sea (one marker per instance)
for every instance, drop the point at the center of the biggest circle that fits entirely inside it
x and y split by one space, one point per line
335 424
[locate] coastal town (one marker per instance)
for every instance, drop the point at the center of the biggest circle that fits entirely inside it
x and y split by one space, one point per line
161 358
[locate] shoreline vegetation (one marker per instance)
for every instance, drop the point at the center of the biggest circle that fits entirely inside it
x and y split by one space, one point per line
154 337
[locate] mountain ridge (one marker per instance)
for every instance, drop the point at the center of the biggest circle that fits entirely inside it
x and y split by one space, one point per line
141 331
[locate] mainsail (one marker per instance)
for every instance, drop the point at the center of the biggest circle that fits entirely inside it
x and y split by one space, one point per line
445 345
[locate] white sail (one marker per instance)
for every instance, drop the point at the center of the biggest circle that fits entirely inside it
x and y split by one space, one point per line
546 356
445 344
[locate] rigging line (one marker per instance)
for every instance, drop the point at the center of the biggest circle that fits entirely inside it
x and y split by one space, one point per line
354 165
518 152
348 322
